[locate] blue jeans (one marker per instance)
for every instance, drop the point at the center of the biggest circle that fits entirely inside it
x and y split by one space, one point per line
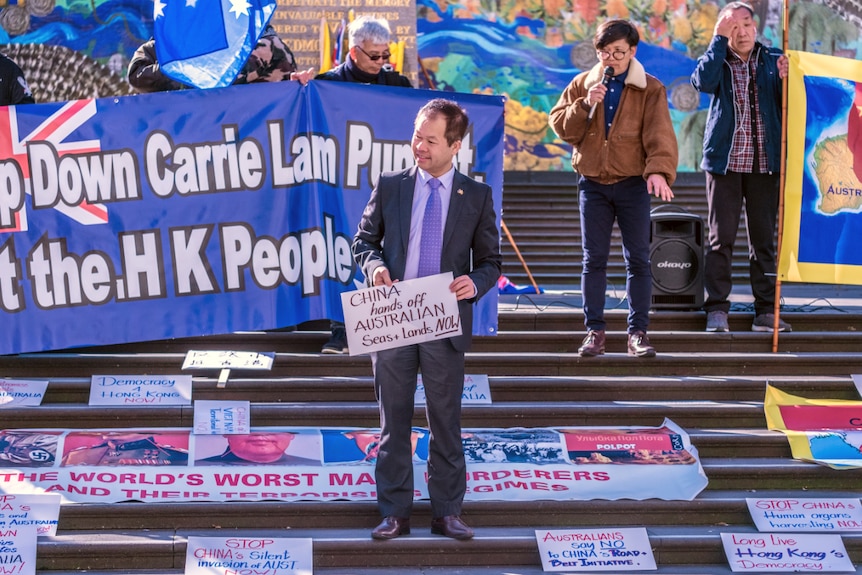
627 202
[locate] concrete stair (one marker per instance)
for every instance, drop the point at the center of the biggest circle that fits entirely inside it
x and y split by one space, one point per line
710 384
541 212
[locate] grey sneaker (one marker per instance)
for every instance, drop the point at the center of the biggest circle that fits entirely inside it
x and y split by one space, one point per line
716 321
766 322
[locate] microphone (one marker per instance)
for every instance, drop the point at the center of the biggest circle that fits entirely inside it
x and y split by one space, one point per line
608 74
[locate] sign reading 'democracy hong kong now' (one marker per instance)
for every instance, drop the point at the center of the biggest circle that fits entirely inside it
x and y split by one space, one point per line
140 390
405 313
199 212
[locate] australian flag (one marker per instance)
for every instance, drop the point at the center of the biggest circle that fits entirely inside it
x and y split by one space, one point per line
205 43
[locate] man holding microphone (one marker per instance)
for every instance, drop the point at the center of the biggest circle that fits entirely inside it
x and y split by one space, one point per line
624 149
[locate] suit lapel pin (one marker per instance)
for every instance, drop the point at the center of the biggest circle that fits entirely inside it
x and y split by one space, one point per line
460 192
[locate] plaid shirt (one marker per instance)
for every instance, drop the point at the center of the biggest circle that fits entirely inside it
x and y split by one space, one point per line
742 150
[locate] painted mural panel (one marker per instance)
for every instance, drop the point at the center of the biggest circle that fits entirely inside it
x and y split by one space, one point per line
525 49
530 49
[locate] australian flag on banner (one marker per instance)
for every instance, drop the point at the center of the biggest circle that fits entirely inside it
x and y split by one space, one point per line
205 43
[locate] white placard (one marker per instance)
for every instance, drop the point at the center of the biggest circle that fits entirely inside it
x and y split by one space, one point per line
39 511
141 390
477 391
805 514
777 552
857 381
228 360
21 392
590 550
405 313
222 417
18 550
239 554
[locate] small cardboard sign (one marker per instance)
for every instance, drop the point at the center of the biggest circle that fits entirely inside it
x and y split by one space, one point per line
222 417
229 360
590 550
477 391
141 390
405 313
805 514
21 392
241 554
40 511
779 552
18 550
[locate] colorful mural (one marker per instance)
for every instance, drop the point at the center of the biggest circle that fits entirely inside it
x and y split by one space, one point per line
526 49
529 50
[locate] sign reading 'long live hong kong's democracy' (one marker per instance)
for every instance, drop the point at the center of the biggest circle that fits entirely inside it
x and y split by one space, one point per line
201 212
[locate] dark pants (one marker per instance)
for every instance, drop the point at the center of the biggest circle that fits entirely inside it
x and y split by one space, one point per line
725 196
395 385
627 202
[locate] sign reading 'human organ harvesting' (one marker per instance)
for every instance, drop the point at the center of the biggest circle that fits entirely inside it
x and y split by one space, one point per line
191 213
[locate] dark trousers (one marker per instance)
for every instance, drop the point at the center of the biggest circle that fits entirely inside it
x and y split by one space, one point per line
395 385
726 196
627 202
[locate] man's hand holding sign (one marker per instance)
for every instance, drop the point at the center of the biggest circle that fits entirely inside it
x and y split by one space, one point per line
396 314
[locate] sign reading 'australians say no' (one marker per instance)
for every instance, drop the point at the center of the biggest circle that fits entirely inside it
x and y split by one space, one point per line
405 313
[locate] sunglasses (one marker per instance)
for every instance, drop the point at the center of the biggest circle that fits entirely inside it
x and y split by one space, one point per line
375 57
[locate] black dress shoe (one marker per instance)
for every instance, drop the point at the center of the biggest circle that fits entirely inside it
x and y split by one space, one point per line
391 527
451 526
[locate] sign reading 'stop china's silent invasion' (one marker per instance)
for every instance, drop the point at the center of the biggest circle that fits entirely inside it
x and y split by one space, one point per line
298 23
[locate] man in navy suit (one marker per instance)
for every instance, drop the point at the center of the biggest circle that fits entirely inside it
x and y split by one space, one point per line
388 247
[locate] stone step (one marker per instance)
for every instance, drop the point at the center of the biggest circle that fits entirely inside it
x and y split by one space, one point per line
49 365
503 388
432 570
552 312
353 548
710 508
688 414
557 341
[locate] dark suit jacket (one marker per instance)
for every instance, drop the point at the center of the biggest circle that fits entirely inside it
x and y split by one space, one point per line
470 236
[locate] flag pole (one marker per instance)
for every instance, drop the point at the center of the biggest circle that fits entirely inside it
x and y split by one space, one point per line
782 179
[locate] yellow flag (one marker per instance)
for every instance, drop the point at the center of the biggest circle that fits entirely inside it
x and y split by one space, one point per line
325 47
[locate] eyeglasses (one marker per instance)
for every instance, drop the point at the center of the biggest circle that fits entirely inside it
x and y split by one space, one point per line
375 57
617 54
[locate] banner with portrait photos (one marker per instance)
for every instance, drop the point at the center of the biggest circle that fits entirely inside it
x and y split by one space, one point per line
325 464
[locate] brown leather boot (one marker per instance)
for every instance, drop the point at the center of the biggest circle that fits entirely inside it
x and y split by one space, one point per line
639 345
594 344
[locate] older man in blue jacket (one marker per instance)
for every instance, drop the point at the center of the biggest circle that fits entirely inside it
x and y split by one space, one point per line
742 158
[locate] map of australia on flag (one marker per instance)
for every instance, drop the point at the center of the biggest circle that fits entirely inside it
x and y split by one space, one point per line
823 191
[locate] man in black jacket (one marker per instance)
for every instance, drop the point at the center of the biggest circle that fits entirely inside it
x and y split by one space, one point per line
368 57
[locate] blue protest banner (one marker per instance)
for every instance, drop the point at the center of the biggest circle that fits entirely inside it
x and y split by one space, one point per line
202 211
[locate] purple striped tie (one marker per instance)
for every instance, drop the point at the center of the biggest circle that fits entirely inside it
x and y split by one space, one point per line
432 233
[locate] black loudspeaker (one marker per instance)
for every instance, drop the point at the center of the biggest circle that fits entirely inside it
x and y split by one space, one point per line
676 258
